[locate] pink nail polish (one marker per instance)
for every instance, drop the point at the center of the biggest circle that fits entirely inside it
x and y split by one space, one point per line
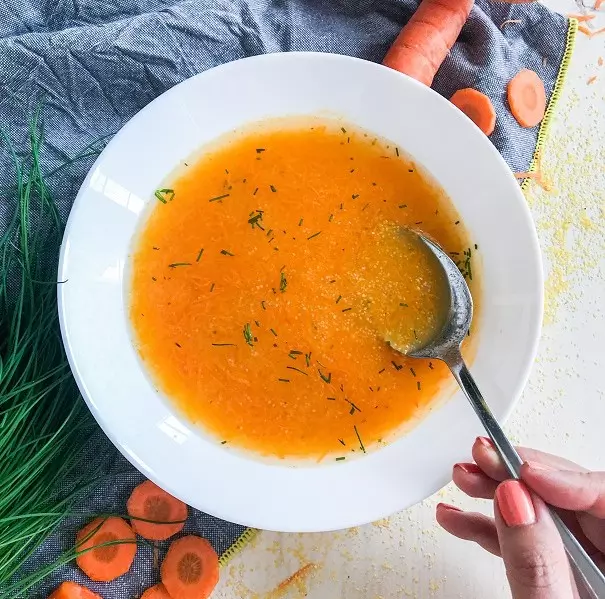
515 504
448 508
485 442
469 468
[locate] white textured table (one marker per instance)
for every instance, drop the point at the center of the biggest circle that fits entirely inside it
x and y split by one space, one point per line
562 409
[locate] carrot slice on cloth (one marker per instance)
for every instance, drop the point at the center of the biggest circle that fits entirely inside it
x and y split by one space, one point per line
190 569
111 560
477 107
150 502
156 592
426 39
526 98
73 590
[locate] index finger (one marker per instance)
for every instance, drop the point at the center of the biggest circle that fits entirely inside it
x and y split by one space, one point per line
487 458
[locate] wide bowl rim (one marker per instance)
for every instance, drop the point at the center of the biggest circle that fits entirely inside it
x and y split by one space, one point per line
255 521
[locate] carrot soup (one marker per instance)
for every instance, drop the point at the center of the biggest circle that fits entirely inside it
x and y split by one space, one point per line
268 275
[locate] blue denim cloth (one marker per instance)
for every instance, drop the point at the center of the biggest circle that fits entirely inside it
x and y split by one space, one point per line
98 62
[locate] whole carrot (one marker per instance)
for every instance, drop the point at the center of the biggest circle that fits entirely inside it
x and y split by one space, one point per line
427 38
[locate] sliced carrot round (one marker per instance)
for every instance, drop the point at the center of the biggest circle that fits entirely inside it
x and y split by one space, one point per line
477 107
73 590
156 592
526 98
150 502
190 569
110 561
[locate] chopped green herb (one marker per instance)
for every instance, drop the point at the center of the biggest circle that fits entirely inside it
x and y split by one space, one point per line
273 331
226 253
164 195
346 309
403 305
272 187
263 305
178 345
324 378
297 370
314 235
260 150
284 380
353 406
412 371
255 191
212 288
224 345
418 385
340 459
219 198
283 282
330 218
397 366
381 371
397 151
359 439
341 442
338 298
256 218
431 365
177 264
403 205
199 255
457 222
343 130
153 279
308 359
248 336
331 398
355 196
300 222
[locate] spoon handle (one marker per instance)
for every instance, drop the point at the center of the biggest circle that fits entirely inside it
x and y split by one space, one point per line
585 569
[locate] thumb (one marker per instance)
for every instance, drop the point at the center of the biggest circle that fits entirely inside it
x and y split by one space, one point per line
566 489
532 550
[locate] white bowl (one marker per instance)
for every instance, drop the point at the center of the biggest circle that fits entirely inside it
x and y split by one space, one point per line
96 332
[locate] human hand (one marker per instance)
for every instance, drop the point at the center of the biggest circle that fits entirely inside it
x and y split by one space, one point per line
522 532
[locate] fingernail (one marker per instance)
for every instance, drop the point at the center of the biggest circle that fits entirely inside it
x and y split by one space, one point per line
448 508
515 504
485 442
469 468
539 467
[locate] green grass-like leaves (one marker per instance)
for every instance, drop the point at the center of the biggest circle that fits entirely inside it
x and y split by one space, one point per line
44 423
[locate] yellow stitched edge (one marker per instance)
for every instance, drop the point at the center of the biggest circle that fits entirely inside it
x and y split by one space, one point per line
237 546
572 30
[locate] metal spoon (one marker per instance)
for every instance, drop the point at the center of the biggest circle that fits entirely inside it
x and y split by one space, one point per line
445 346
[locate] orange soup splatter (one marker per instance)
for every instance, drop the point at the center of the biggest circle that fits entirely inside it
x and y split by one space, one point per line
268 276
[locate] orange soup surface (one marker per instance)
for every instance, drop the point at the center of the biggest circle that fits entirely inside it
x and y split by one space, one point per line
268 277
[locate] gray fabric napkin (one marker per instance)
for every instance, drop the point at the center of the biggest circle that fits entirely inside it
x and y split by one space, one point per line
98 62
